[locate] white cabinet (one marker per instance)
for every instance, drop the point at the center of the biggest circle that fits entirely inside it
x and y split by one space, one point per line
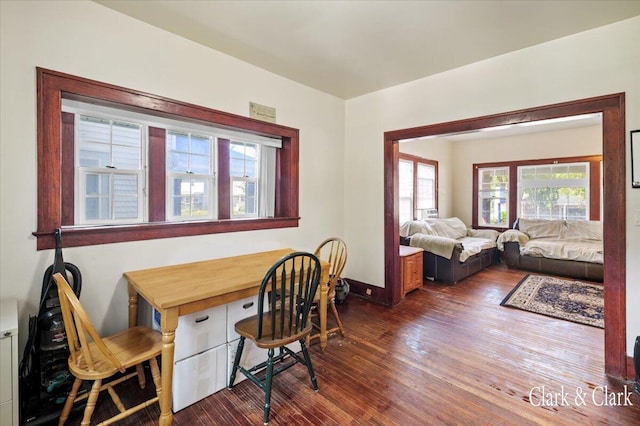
9 362
201 361
199 376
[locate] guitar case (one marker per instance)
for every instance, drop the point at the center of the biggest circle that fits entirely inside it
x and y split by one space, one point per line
45 381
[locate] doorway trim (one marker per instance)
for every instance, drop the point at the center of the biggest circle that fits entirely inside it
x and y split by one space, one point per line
612 108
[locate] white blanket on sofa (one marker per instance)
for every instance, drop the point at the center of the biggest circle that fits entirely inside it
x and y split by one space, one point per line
443 246
584 250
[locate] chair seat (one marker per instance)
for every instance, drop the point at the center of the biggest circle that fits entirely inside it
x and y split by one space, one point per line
131 347
247 328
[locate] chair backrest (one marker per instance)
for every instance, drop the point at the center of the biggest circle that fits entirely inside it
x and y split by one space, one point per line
80 331
292 283
333 251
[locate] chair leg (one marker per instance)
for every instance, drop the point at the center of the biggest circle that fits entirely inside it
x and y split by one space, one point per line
236 362
69 402
91 403
267 387
155 374
335 314
307 361
142 381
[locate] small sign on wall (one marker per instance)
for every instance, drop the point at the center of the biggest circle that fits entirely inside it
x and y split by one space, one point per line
262 112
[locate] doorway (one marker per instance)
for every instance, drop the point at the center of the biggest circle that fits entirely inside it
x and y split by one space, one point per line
614 210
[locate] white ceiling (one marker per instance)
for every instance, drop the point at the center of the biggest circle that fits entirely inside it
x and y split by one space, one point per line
349 48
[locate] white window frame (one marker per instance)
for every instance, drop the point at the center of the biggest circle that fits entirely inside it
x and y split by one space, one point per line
81 172
189 175
555 183
493 197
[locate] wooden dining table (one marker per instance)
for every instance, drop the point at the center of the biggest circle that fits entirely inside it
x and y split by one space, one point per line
191 287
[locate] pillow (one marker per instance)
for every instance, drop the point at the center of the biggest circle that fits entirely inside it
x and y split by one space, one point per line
541 228
583 229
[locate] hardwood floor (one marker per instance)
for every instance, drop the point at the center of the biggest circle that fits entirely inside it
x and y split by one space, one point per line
446 355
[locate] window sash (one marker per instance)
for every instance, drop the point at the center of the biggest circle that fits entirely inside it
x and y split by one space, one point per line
493 197
244 197
554 191
104 199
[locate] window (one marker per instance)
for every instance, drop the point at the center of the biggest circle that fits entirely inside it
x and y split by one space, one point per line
554 191
418 187
190 176
156 168
493 196
109 172
560 188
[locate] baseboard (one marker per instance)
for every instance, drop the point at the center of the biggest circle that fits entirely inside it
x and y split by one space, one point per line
366 291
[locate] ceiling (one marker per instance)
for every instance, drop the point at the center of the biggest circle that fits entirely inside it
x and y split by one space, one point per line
350 48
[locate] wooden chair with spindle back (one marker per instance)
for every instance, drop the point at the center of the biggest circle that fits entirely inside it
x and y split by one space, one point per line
97 358
290 286
333 251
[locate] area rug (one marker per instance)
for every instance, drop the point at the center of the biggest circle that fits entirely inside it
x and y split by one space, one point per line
565 299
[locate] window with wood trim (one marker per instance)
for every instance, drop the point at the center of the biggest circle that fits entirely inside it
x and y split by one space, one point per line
418 187
156 168
557 188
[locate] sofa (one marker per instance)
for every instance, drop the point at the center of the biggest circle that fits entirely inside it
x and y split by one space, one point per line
452 251
571 248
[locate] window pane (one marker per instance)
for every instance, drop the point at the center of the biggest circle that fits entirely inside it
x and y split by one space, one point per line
177 162
125 157
200 164
200 145
125 196
127 134
177 142
251 200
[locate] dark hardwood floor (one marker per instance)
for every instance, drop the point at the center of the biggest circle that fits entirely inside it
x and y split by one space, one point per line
448 355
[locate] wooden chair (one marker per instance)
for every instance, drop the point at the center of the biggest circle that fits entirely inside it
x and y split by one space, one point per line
290 285
95 358
333 251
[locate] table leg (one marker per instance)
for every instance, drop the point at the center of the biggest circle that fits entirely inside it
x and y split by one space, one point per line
168 324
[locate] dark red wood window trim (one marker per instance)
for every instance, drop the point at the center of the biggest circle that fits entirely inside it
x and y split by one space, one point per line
594 161
56 164
415 160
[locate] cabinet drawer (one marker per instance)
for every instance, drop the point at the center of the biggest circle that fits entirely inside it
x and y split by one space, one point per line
200 331
238 310
199 376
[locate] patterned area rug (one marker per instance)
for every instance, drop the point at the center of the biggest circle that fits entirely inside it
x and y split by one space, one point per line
569 300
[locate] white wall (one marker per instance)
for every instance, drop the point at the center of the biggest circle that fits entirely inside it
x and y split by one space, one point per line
598 62
89 40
